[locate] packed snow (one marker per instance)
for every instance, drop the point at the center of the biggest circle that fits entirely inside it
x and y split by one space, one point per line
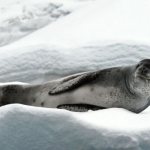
26 127
20 18
86 39
44 40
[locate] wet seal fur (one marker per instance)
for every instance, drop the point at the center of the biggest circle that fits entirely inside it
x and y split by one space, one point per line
124 87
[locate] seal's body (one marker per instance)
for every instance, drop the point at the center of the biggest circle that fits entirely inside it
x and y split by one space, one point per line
124 87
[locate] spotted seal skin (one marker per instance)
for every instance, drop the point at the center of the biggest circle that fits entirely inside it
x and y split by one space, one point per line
122 87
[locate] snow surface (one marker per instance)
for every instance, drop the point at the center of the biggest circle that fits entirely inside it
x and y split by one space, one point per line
85 35
25 127
97 34
19 18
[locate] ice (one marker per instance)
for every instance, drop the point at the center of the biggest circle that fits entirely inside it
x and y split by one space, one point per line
25 127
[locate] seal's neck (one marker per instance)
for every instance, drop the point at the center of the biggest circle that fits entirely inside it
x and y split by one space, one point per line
129 82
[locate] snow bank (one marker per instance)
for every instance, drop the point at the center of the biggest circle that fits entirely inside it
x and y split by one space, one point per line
24 127
97 35
43 63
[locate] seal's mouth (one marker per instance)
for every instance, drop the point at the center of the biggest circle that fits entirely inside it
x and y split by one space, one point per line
79 107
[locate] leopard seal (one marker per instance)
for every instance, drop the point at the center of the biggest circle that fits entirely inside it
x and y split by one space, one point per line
123 87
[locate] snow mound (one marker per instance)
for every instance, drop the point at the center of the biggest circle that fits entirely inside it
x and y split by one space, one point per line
23 127
98 35
36 64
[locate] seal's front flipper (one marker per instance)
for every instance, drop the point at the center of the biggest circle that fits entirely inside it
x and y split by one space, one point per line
79 107
72 82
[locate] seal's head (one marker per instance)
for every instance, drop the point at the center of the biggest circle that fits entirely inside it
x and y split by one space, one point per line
143 69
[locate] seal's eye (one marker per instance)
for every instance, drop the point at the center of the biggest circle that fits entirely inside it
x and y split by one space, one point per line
147 66
143 71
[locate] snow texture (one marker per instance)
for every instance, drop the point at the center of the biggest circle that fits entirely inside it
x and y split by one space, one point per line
69 37
96 35
20 18
25 127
